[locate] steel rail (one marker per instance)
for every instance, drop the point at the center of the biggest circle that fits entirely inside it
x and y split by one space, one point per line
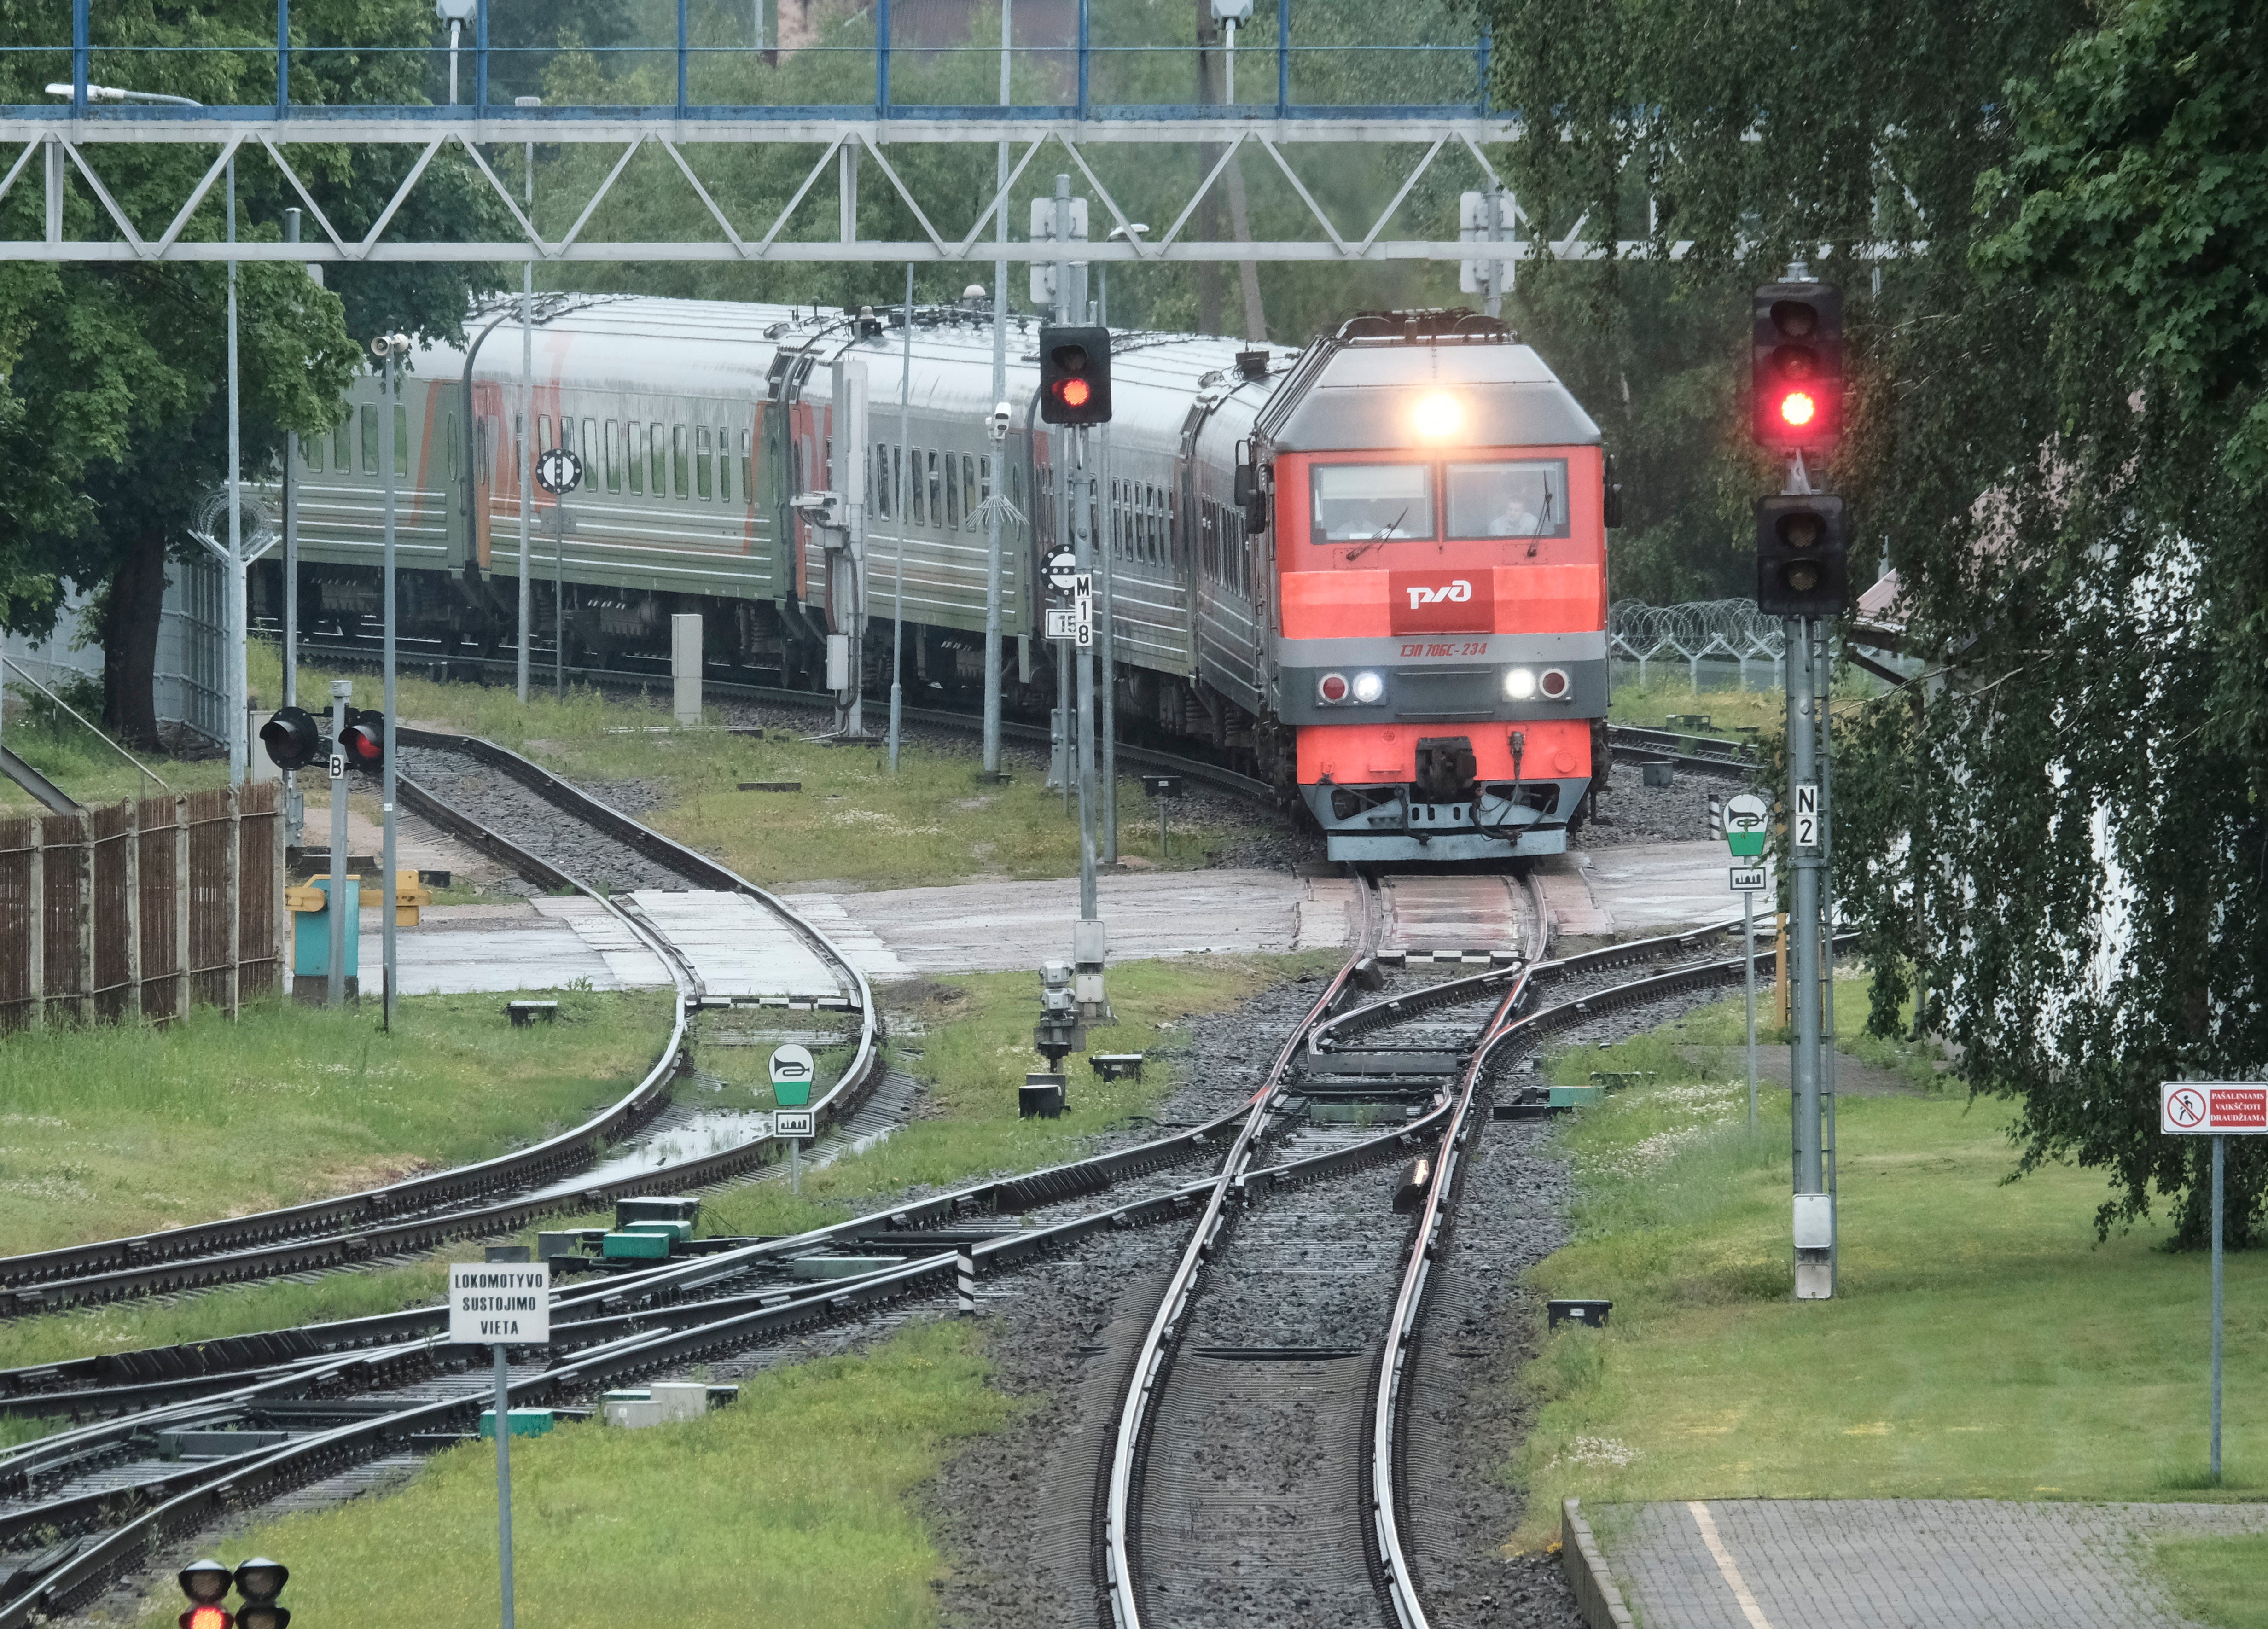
300 1237
1632 742
1147 1373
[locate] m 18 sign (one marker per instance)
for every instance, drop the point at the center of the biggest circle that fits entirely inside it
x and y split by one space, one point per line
2214 1108
495 1303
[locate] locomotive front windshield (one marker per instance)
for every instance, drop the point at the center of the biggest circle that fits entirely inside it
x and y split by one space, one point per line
1354 502
1527 499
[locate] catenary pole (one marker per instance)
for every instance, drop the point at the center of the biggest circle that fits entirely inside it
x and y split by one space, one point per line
504 1479
336 994
1803 971
1823 684
294 810
395 344
524 443
1106 549
992 656
892 493
1082 549
240 631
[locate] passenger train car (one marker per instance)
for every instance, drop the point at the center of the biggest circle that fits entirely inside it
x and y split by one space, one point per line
1373 571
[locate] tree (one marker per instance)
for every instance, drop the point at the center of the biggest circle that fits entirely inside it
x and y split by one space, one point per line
113 381
2049 223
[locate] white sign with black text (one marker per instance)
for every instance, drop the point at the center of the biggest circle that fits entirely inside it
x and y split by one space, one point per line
794 1123
1807 814
1747 879
495 1303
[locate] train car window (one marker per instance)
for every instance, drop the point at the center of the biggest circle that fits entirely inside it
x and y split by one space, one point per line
724 466
484 438
613 455
970 497
878 480
311 452
400 441
984 475
703 481
681 464
952 492
342 451
634 455
917 509
591 466
1355 502
747 470
936 494
449 424
369 440
657 449
1524 497
543 442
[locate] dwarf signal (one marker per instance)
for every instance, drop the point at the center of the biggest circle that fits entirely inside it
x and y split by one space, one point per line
257 1580
363 743
1803 555
293 740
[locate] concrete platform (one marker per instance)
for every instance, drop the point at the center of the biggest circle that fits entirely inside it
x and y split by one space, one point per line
1647 886
1899 1564
543 944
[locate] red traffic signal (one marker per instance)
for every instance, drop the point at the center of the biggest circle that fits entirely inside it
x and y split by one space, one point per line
1795 352
292 738
363 741
1075 376
206 1583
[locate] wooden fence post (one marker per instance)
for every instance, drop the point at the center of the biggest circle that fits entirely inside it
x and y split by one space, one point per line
83 918
36 951
182 895
280 928
232 889
133 886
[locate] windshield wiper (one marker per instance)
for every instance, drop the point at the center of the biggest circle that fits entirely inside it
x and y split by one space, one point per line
1380 536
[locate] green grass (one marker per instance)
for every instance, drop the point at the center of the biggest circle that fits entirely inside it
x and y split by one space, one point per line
2216 1580
123 1128
853 823
78 762
788 1507
1982 1342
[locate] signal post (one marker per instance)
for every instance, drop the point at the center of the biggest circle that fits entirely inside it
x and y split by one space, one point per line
1803 574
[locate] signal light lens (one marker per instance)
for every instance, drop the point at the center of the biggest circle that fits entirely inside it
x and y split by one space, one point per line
1802 575
1074 393
1368 687
1798 409
1438 416
263 1614
1332 688
206 1617
1554 684
205 1581
261 1579
1520 683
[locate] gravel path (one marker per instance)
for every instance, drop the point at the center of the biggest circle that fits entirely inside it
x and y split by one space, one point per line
1630 811
513 811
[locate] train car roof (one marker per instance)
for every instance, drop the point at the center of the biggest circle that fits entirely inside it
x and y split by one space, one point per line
1366 395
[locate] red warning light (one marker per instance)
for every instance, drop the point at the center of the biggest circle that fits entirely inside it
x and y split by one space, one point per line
1074 393
1798 409
207 1617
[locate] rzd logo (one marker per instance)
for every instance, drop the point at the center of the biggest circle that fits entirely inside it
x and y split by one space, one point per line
1457 592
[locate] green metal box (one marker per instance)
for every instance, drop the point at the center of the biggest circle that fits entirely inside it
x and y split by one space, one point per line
636 1246
1572 1096
525 1422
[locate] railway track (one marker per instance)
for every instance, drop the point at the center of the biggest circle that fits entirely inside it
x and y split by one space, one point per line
1704 754
562 832
159 1459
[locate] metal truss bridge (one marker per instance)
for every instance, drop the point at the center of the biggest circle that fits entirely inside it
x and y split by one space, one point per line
60 148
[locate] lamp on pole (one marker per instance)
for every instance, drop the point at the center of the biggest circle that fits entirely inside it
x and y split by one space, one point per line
1104 570
524 443
389 349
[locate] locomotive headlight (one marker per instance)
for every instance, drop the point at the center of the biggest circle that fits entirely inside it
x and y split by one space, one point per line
1438 416
1368 687
1520 683
1331 688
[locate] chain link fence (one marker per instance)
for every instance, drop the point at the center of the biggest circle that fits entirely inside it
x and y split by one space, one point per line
1730 635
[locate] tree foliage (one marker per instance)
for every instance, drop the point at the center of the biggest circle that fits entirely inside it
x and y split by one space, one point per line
2051 223
113 376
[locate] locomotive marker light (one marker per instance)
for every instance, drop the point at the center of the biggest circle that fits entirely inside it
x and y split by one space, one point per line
1746 818
500 1304
1369 687
1075 375
2219 1109
1520 683
1795 361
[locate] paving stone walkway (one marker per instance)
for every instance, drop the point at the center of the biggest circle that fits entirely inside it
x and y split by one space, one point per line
1900 1564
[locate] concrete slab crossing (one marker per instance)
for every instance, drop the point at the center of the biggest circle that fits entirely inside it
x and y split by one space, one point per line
1900 1564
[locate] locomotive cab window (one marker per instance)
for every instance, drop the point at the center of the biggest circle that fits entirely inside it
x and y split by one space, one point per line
1523 498
1357 503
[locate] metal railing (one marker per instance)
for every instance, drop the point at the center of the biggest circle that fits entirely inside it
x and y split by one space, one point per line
1323 59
